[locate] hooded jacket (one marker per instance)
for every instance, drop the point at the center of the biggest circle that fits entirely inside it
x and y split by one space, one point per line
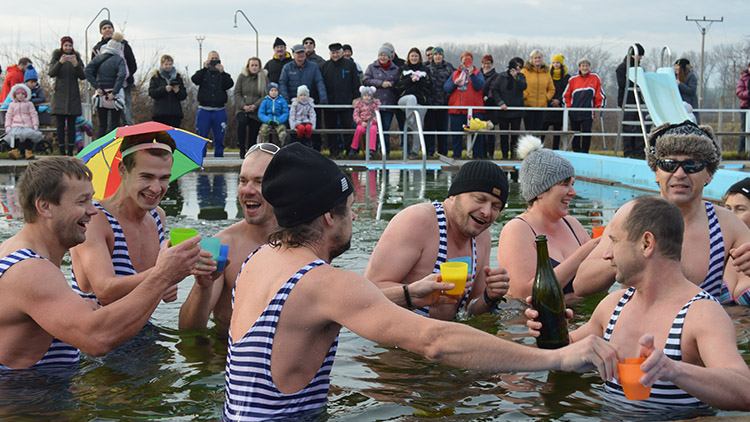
106 72
13 75
273 110
539 86
127 55
302 112
66 97
364 111
21 113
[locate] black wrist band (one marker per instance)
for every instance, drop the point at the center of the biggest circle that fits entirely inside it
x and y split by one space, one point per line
407 296
489 301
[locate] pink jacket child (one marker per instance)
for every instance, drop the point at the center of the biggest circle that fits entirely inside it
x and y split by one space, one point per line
21 119
364 110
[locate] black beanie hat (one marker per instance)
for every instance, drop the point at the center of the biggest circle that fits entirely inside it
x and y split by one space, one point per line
741 187
105 22
301 185
479 176
279 41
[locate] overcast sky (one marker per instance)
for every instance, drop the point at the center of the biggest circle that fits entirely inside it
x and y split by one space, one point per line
157 27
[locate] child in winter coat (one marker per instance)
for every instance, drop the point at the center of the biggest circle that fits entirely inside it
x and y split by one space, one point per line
82 126
302 114
364 110
31 79
273 112
22 123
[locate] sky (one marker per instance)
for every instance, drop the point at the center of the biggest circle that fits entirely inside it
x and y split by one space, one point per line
154 28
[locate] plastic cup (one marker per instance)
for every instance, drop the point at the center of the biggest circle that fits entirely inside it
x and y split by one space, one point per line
222 261
179 235
213 245
455 272
597 231
630 373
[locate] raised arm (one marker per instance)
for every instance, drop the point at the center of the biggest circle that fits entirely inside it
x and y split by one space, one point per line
201 300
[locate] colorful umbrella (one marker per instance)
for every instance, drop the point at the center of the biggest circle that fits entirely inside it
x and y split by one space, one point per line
103 155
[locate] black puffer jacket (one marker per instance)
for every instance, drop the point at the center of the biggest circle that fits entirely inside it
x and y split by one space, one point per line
341 81
66 98
509 91
166 103
439 74
106 71
212 87
407 85
129 57
560 86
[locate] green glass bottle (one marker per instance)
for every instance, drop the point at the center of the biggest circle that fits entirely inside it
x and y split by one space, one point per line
547 298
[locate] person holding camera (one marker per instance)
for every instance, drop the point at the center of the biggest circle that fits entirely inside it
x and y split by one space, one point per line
213 84
66 67
168 90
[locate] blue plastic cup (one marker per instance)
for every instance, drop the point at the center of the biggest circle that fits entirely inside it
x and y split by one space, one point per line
222 261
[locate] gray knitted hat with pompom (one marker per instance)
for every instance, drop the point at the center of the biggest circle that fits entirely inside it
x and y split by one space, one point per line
541 168
685 138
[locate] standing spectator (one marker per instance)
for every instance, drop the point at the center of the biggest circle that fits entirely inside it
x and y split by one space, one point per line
632 146
394 57
687 83
743 93
465 88
342 85
584 91
274 113
14 75
364 114
437 119
490 76
302 115
304 72
348 55
508 91
107 29
399 62
66 67
248 94
413 87
106 74
167 89
277 62
213 84
560 78
21 123
539 90
428 55
309 44
382 74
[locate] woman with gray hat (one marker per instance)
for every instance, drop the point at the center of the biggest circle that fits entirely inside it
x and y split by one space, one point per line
547 186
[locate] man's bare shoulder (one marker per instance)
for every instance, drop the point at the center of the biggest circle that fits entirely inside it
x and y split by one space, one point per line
232 233
733 230
415 217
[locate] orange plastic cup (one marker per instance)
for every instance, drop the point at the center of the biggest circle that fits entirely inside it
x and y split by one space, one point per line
597 231
630 373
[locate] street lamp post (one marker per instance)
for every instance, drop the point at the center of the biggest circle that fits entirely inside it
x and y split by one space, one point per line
251 24
200 39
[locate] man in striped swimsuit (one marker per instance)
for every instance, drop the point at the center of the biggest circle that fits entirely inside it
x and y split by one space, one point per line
124 243
421 237
687 337
684 158
42 321
290 304
214 295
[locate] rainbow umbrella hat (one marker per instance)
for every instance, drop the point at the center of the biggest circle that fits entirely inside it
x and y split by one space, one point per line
103 155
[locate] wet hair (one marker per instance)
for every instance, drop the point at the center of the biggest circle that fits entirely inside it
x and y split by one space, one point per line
303 234
161 137
166 58
659 217
44 179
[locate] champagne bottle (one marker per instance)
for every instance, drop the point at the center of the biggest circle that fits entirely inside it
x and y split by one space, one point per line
547 299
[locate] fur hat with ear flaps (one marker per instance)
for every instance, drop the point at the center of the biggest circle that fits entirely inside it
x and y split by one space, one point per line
685 138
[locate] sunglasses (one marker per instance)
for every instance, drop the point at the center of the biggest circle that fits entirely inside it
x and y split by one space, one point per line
671 165
265 147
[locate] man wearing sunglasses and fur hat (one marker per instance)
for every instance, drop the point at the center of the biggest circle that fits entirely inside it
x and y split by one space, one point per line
684 158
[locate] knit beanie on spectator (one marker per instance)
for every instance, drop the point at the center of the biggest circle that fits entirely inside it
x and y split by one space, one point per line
65 39
559 58
301 185
279 41
367 90
386 50
541 168
685 138
742 187
481 176
30 74
272 85
302 89
105 22
438 50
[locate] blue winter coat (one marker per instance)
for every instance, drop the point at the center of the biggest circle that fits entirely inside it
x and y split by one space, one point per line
309 74
273 110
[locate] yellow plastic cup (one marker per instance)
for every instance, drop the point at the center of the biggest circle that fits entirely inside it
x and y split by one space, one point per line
597 231
179 235
630 373
455 272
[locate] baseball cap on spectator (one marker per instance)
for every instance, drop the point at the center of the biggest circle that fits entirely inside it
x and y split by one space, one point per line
336 46
298 47
279 41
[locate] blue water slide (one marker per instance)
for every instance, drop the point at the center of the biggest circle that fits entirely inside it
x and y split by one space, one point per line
660 92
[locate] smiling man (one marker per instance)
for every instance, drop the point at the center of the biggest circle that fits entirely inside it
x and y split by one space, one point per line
684 158
215 294
126 235
43 322
423 236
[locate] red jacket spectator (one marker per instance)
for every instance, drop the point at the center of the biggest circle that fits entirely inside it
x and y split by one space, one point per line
584 91
13 75
470 96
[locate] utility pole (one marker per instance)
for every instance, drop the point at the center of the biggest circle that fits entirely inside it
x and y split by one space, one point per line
200 39
703 30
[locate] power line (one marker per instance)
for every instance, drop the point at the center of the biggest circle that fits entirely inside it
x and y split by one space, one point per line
703 30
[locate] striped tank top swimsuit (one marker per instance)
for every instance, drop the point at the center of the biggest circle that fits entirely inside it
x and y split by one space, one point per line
59 353
442 256
120 254
662 393
251 394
